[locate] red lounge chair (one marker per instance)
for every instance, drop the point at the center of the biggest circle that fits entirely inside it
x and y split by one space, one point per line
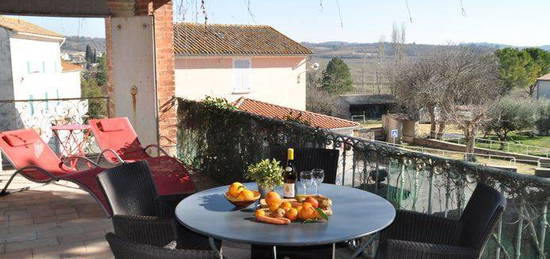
117 138
37 162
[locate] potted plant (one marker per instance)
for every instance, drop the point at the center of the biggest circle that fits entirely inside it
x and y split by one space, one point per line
267 174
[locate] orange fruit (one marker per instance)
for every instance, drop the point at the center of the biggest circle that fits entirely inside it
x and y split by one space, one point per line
235 189
259 213
292 214
307 213
247 195
274 206
313 202
307 204
286 205
273 198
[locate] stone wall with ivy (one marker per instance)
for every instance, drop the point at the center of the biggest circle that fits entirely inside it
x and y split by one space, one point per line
221 141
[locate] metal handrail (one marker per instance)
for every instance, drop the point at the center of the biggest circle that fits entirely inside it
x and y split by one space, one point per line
544 150
55 99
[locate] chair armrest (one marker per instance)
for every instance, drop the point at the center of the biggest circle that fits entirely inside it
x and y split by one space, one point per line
124 248
87 160
146 229
161 150
108 150
418 227
408 249
167 204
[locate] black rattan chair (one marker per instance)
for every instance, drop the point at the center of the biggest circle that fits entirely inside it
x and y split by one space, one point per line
132 195
310 158
124 248
416 235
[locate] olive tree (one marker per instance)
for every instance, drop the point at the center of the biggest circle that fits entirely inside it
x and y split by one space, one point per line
511 114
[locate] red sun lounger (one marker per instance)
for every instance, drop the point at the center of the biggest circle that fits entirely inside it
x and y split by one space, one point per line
37 162
118 139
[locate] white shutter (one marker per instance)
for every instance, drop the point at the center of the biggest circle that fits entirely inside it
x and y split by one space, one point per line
241 76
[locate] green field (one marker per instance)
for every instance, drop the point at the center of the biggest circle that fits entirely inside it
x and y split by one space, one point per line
522 144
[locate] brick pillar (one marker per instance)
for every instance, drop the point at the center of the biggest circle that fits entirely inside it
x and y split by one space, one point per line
162 13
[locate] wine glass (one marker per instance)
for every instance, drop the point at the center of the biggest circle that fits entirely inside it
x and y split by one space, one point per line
318 175
306 179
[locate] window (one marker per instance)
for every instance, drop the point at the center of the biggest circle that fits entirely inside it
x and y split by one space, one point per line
36 67
241 75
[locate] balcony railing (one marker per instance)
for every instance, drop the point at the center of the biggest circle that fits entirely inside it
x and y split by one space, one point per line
221 142
42 114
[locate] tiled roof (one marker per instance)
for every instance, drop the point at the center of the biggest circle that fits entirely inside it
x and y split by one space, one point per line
20 25
280 112
544 77
70 66
217 39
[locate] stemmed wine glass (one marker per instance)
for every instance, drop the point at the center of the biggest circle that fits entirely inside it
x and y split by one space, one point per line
306 179
318 175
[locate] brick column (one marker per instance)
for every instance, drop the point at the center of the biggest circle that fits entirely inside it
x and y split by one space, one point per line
162 13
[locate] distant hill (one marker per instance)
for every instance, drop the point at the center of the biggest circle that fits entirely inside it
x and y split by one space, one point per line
366 67
75 43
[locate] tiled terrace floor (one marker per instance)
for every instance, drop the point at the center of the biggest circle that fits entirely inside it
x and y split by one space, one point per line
59 220
51 221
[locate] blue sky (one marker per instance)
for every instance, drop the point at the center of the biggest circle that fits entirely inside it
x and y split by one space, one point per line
523 23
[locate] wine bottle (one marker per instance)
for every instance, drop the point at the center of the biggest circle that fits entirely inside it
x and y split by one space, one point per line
289 175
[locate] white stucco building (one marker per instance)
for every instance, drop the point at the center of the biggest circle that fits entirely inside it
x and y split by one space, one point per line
31 69
542 90
30 63
234 61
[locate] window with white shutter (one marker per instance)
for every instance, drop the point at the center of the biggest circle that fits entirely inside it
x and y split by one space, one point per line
241 75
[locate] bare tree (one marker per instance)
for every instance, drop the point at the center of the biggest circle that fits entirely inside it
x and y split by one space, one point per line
398 41
379 66
321 101
473 89
456 84
418 86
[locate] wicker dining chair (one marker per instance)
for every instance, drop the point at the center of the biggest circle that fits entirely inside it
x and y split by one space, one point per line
417 235
132 195
124 248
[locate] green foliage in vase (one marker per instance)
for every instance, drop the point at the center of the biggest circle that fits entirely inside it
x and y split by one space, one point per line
266 173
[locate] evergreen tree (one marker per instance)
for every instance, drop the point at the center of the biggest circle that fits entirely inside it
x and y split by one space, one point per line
89 54
337 77
520 68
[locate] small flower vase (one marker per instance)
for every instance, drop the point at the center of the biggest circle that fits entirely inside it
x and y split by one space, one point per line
264 189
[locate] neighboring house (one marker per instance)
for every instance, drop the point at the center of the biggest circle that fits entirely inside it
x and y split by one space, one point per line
234 61
31 69
542 90
364 106
284 113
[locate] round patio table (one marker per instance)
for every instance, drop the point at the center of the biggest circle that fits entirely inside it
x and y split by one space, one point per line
357 214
